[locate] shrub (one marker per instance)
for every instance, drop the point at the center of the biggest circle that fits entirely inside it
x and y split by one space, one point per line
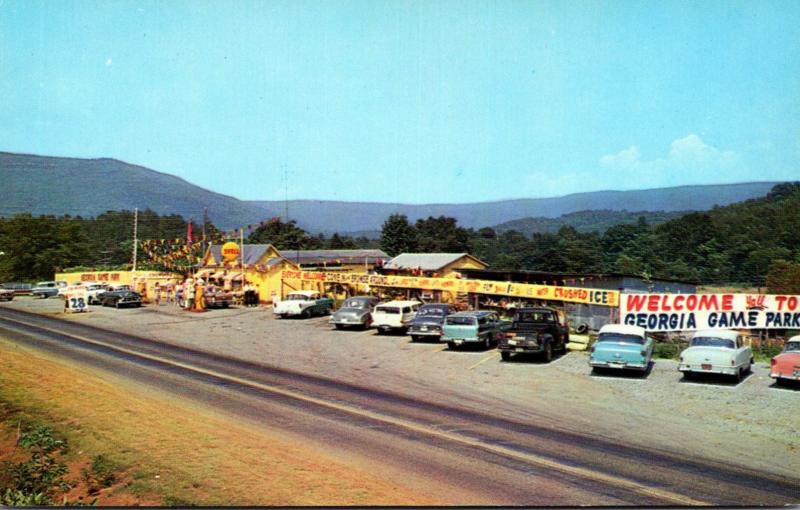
102 473
666 350
36 480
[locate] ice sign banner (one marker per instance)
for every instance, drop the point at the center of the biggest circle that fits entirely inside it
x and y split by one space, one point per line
687 312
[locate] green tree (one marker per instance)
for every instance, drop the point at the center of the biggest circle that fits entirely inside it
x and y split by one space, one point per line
398 235
284 236
441 235
783 277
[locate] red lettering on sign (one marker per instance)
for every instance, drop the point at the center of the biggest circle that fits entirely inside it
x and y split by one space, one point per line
636 302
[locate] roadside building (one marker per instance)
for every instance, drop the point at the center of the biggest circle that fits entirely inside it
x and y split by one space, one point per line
352 261
262 264
434 265
140 281
582 315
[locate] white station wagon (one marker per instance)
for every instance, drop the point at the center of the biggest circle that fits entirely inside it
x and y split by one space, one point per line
394 315
716 352
303 303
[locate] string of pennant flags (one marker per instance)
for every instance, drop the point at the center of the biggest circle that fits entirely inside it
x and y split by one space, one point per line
180 252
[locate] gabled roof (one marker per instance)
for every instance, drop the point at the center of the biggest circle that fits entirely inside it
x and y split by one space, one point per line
426 261
252 252
334 256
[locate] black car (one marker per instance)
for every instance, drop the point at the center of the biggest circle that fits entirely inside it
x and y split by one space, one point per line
536 330
121 298
428 322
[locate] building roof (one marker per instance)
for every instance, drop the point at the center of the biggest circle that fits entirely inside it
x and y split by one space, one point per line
252 252
334 256
425 261
492 274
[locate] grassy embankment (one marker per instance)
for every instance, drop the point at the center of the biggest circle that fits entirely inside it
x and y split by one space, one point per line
163 451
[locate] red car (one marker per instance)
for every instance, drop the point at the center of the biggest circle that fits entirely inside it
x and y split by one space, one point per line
786 365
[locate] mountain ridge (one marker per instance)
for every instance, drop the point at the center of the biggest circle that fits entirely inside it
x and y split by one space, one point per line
39 184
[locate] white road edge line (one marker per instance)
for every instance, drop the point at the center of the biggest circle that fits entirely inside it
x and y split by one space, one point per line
398 422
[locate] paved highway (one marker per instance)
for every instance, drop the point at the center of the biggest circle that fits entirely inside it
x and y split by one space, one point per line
462 456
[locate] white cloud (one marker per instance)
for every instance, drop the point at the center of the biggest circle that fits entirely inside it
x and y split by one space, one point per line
689 160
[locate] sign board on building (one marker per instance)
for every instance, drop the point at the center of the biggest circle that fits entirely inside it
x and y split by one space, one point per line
230 251
691 312
522 290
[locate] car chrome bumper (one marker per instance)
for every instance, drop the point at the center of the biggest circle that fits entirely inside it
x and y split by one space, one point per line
715 369
624 365
788 377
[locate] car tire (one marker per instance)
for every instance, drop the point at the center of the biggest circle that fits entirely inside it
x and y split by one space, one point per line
688 376
116 305
339 326
414 338
487 342
505 356
738 376
451 346
547 354
305 314
597 371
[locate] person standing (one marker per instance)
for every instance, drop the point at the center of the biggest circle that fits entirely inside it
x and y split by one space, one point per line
189 293
157 294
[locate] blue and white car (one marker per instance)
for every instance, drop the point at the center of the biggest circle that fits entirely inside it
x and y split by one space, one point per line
621 347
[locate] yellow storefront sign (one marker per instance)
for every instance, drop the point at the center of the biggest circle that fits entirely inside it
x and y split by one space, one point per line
522 290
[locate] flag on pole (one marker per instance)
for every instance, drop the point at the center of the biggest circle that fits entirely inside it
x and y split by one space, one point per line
189 232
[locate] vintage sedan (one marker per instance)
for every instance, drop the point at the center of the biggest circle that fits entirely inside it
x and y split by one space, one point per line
45 290
428 322
786 365
481 327
6 294
355 312
621 347
303 303
121 298
20 289
716 351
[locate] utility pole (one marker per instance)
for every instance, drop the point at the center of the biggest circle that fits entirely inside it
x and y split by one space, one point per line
135 235
285 196
205 221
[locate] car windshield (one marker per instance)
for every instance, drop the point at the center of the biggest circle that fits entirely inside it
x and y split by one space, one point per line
461 321
620 338
45 284
388 309
526 316
298 297
792 347
710 341
434 311
356 303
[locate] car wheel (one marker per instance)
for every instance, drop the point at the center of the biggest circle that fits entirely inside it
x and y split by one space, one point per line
306 314
451 346
597 371
738 376
547 354
505 355
487 342
339 326
414 338
116 305
688 376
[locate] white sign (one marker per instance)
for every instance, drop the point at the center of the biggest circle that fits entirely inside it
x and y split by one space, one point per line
691 312
75 299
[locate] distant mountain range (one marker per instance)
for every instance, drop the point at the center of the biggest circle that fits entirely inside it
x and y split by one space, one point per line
88 187
586 221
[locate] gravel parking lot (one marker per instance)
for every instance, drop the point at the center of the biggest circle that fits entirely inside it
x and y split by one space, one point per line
753 423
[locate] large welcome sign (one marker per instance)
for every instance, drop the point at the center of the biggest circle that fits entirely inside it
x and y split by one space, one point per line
688 312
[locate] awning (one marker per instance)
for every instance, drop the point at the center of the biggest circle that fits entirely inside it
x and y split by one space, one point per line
203 273
218 274
236 276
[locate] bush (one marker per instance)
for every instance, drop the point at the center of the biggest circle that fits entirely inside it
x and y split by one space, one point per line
666 351
36 480
102 473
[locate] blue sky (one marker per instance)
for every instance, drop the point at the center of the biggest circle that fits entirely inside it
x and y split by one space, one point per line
432 101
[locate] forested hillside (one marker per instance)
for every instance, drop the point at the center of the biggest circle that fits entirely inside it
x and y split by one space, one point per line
586 221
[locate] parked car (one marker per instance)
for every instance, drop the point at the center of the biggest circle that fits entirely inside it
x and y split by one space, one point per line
355 312
216 297
394 315
429 321
716 352
94 291
622 347
786 365
20 289
479 327
6 294
45 290
304 303
535 330
121 298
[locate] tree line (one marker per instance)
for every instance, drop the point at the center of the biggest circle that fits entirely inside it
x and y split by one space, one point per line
749 243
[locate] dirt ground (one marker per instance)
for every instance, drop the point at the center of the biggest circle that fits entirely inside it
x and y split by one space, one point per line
169 451
753 423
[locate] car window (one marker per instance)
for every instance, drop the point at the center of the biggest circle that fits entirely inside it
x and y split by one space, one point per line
355 303
460 321
710 341
431 311
528 316
620 338
406 309
388 309
792 347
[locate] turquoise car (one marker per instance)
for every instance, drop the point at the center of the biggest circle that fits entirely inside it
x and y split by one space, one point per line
480 327
621 347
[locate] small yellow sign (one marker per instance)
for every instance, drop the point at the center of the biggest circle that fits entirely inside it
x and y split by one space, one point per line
230 251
